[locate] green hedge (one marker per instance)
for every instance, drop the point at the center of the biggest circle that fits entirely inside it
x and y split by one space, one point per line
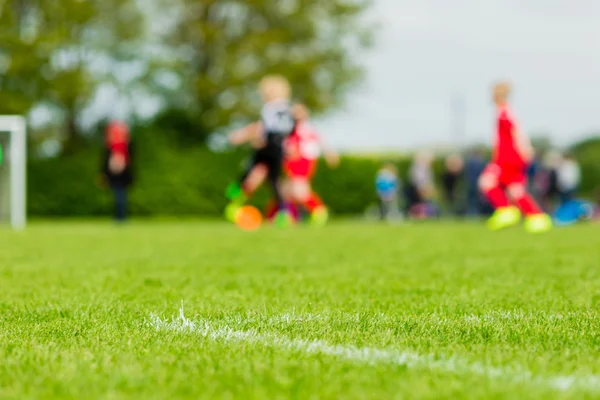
588 155
175 180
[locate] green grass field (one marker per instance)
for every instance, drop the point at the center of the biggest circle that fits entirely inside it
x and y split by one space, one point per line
352 311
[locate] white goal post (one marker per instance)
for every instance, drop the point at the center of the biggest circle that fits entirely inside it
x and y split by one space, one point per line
13 170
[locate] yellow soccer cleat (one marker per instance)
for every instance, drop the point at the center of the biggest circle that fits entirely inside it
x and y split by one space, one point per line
503 218
539 223
319 216
283 219
231 211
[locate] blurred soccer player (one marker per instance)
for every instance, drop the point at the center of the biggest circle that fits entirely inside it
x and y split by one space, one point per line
504 180
302 151
267 137
116 165
387 185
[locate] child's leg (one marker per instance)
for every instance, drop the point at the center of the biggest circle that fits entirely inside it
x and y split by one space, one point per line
235 191
313 202
253 181
286 190
238 194
489 184
301 192
283 217
273 176
271 209
523 200
248 184
536 221
304 195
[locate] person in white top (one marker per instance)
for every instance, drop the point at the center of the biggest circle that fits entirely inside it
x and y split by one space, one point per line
568 177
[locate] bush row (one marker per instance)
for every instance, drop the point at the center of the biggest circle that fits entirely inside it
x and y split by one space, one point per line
191 181
176 181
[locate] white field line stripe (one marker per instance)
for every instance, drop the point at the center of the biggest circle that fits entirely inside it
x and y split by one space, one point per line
373 356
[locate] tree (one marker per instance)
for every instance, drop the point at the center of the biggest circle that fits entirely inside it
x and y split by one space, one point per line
50 49
225 47
20 58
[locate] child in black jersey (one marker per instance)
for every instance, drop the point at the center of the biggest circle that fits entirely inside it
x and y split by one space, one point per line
267 138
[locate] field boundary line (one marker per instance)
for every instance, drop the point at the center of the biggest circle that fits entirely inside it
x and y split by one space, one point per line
370 355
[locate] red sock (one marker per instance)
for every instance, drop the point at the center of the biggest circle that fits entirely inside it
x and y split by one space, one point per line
528 206
293 209
271 209
313 202
497 197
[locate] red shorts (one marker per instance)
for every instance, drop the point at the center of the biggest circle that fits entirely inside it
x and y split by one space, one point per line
506 175
300 168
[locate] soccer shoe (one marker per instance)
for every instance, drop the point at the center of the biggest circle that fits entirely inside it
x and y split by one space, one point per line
283 219
231 211
503 218
539 223
235 193
319 216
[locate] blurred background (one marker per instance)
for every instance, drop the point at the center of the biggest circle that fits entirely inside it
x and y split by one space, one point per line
391 83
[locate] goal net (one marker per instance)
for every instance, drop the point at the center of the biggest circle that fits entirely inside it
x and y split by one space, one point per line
13 150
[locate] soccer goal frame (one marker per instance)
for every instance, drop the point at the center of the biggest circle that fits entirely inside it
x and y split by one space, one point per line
15 157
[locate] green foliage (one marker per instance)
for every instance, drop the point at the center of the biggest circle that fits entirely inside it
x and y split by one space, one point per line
230 45
55 55
350 188
177 181
190 180
50 49
588 154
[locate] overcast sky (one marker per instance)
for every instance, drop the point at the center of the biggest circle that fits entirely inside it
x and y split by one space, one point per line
430 51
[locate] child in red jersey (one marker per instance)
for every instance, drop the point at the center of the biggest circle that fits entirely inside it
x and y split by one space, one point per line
117 166
302 151
504 180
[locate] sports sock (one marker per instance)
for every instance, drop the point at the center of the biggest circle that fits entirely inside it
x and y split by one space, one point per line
528 205
313 202
271 209
497 197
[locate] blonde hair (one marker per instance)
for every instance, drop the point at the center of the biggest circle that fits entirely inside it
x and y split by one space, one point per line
454 162
424 157
300 112
390 167
273 87
502 91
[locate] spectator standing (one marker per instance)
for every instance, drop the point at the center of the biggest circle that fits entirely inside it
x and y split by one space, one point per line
420 188
117 165
453 171
387 187
547 180
474 166
568 178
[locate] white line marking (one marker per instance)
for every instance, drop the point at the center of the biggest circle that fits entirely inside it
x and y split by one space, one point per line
370 355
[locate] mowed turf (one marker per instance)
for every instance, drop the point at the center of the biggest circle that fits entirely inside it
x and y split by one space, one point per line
202 310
